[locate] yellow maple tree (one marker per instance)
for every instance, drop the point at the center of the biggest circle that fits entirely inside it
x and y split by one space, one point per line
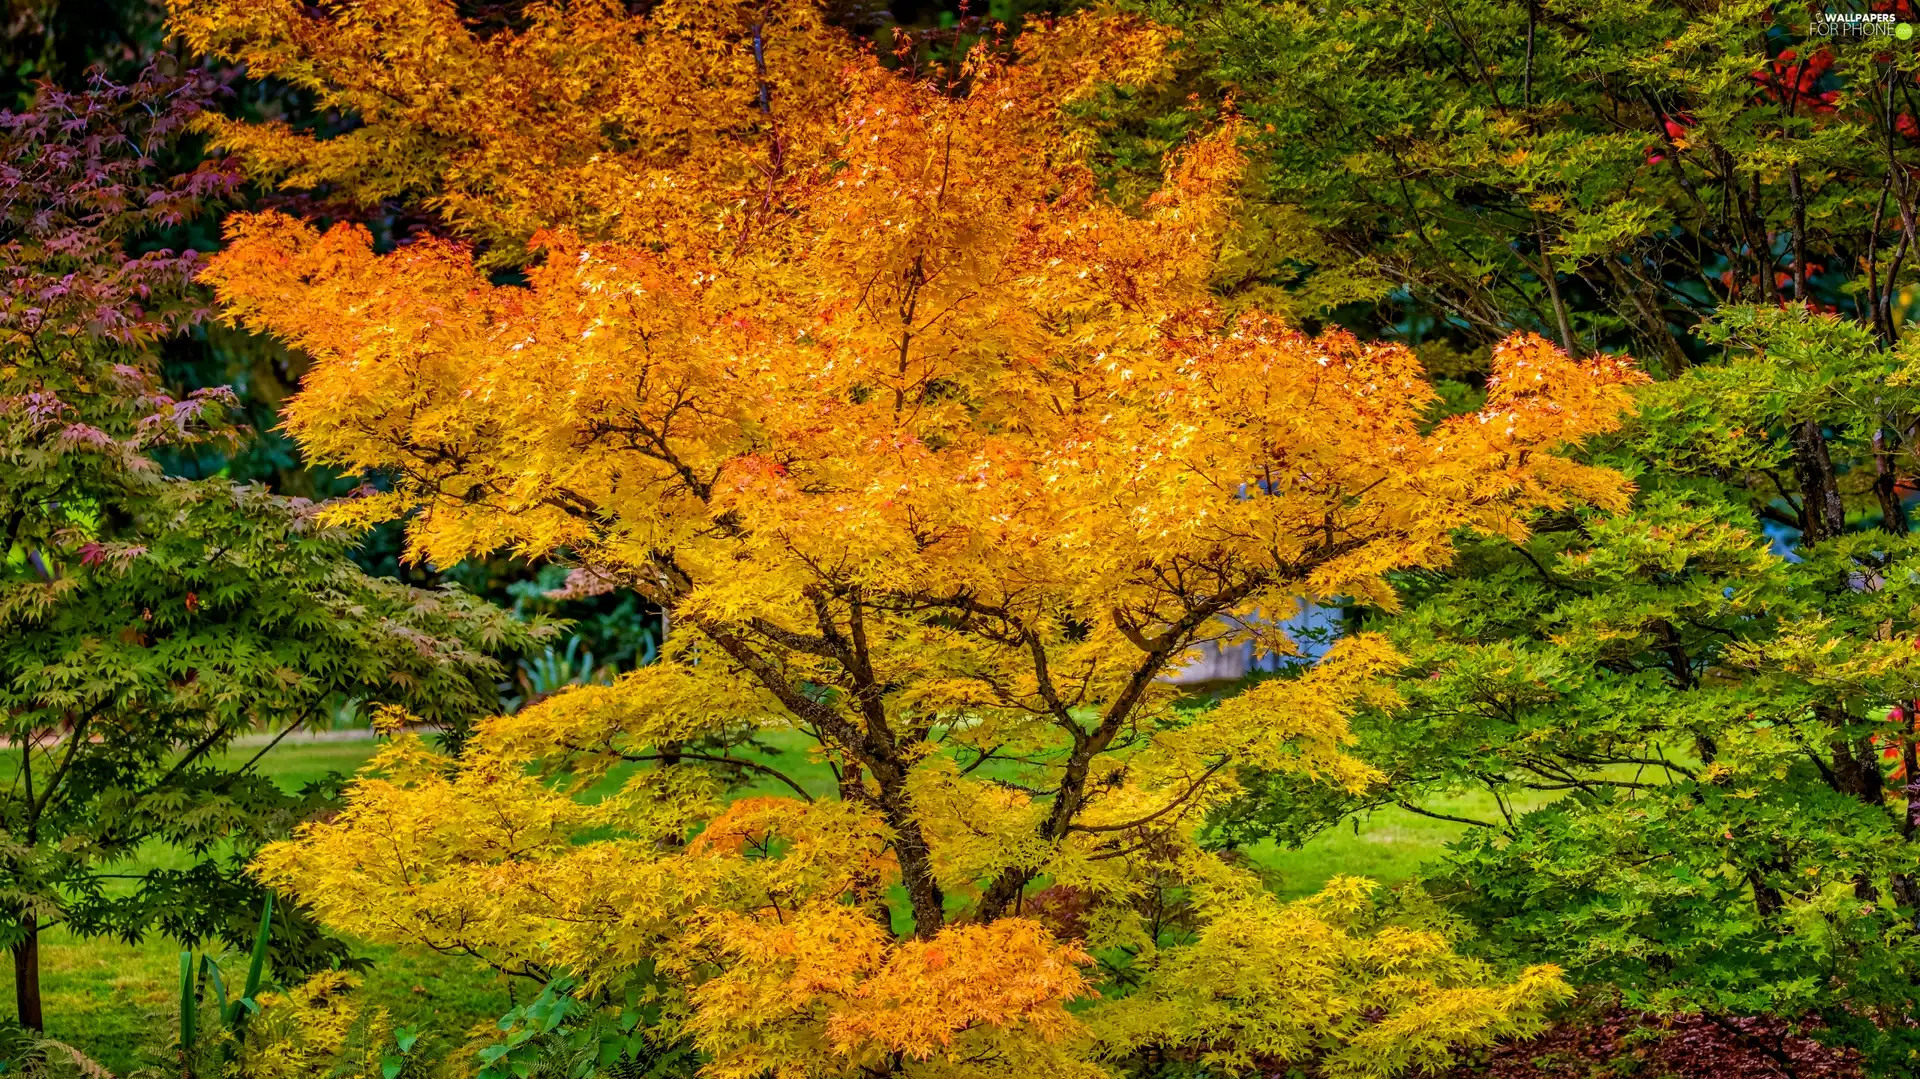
941 462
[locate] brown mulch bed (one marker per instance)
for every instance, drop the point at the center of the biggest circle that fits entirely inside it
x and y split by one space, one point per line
1620 1043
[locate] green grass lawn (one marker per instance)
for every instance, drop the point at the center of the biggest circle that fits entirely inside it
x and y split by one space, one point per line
117 1002
1388 846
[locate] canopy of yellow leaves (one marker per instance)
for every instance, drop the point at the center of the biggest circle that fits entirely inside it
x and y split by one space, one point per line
939 459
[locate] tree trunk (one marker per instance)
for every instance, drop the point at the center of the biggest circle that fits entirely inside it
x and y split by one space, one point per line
911 850
26 976
1799 233
916 869
1823 514
1766 898
1856 767
1893 516
1552 280
1653 324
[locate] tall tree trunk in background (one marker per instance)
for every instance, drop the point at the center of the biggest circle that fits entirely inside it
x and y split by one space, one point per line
1652 323
1893 516
1551 278
1799 198
26 976
1823 515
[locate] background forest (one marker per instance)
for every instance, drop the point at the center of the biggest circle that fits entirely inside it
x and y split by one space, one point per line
741 476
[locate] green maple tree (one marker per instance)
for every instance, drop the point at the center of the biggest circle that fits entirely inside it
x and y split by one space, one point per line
146 620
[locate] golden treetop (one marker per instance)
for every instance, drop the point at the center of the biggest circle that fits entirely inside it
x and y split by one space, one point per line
953 369
681 125
588 116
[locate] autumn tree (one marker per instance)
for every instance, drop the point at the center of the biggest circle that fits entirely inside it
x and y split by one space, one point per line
147 620
940 459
